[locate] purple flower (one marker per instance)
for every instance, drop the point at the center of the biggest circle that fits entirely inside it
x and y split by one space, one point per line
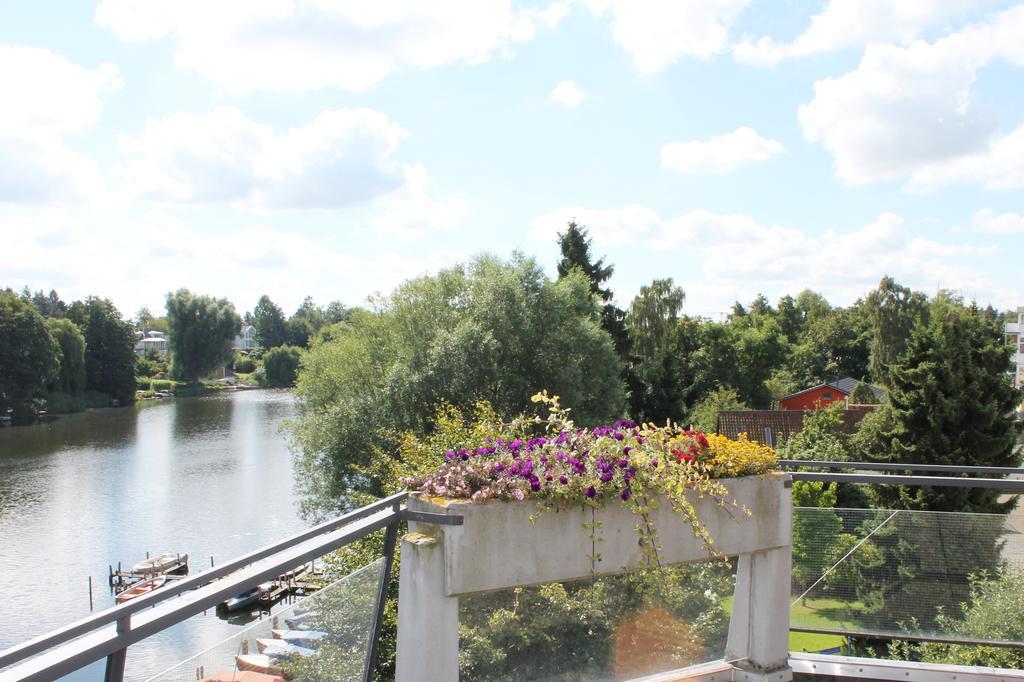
625 494
499 467
606 476
618 436
563 480
590 492
449 455
623 463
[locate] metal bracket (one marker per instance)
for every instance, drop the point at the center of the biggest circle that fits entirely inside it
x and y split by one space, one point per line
429 517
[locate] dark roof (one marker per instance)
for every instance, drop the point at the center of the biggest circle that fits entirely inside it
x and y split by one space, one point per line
846 385
770 427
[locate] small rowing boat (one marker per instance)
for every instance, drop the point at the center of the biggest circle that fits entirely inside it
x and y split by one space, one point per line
304 638
258 663
279 647
160 563
139 589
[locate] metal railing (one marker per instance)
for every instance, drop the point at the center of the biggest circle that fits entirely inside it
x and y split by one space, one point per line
108 634
953 479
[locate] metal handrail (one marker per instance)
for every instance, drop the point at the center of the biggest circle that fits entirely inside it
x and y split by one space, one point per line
895 466
235 576
116 613
1004 484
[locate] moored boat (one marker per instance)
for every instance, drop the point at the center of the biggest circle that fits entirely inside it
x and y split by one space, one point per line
258 663
161 563
140 588
247 598
280 647
305 638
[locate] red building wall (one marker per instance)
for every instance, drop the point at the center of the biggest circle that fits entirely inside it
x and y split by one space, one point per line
822 396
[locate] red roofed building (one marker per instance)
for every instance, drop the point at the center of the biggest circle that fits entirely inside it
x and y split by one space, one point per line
823 395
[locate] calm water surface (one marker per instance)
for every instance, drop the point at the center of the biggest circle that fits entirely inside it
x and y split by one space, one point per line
209 476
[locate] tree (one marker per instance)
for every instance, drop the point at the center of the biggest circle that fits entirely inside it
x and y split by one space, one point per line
949 403
29 356
109 348
574 245
281 365
894 311
49 305
271 328
200 334
305 323
71 377
487 330
655 392
863 395
704 417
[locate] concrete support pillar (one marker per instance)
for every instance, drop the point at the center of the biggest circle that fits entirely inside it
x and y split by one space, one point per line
759 627
428 621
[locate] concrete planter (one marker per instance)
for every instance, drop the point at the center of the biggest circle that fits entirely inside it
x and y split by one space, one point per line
499 547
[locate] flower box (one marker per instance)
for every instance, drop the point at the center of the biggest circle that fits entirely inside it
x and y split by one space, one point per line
506 544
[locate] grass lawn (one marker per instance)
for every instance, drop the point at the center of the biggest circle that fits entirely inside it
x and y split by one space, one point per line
815 613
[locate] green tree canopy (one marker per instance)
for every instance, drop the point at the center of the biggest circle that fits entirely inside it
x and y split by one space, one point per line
71 377
281 365
949 403
271 327
29 356
894 311
656 392
488 330
109 348
200 332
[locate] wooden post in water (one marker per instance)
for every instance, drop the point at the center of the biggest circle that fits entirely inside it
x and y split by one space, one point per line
90 593
211 561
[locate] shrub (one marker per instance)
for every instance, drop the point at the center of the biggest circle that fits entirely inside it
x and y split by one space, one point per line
244 364
281 365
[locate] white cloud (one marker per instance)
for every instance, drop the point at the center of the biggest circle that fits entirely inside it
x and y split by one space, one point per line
911 111
852 23
46 98
721 153
567 94
311 44
727 257
1004 224
657 33
411 211
160 253
342 157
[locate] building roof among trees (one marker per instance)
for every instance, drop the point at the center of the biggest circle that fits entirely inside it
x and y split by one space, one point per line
846 385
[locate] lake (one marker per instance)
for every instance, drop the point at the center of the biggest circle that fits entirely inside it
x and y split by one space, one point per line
208 476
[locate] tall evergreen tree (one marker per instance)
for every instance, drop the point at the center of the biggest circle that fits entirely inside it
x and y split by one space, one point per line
271 327
574 245
950 403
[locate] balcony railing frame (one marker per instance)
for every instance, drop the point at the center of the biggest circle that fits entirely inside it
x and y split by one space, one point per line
108 634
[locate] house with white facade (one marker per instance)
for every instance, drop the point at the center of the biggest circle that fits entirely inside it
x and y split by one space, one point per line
246 338
152 340
1015 337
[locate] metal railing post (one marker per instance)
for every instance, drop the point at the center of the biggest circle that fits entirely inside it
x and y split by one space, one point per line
390 541
115 661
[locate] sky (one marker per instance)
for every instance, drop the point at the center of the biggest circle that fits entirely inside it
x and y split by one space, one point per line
335 148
